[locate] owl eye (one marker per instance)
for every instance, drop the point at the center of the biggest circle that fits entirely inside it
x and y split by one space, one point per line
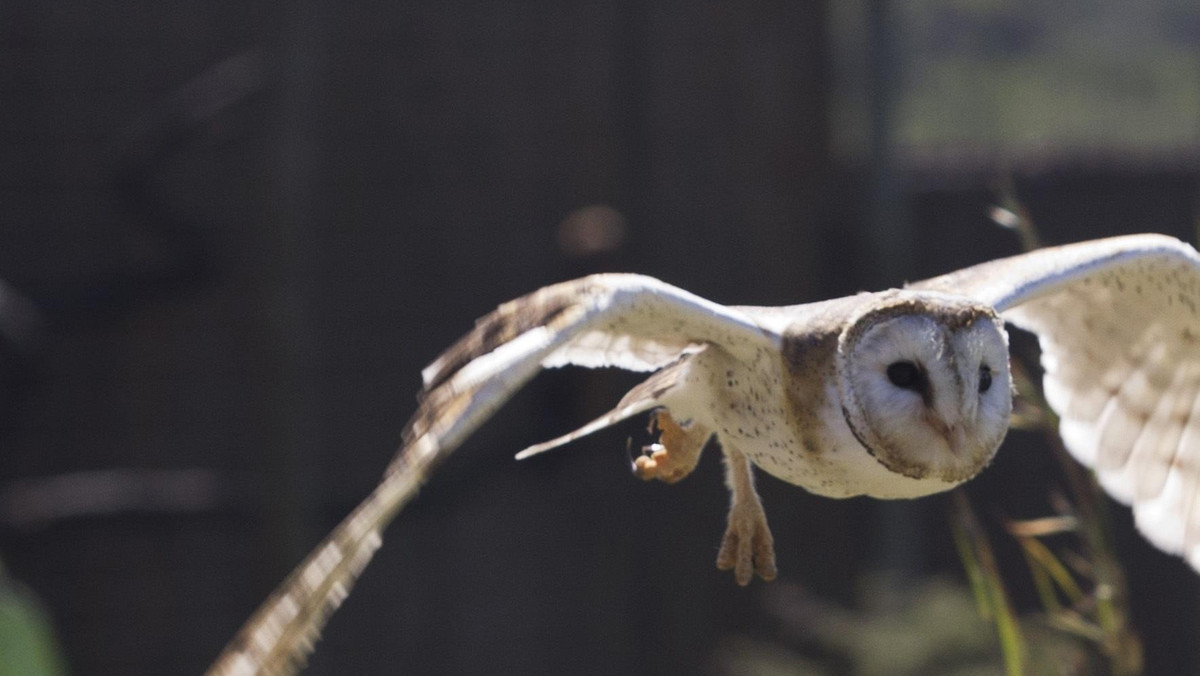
985 378
906 375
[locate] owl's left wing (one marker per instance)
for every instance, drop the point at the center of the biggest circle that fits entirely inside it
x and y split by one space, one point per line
627 321
1118 321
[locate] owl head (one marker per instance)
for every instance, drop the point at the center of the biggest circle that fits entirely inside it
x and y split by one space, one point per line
925 384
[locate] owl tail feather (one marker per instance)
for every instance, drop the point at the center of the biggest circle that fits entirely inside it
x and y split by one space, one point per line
647 395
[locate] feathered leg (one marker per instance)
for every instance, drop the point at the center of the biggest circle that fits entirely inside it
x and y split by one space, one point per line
748 546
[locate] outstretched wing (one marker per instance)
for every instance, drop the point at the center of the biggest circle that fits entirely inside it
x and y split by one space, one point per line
1118 324
628 321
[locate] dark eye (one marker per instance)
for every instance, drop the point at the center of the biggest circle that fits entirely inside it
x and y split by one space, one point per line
985 378
906 375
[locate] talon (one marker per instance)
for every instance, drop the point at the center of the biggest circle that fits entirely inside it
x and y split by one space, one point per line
764 558
676 454
733 556
645 468
747 557
748 547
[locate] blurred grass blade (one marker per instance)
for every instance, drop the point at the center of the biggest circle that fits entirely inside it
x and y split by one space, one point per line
1011 213
28 646
1043 585
986 583
1041 556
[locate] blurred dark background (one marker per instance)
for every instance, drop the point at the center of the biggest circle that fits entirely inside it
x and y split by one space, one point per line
232 233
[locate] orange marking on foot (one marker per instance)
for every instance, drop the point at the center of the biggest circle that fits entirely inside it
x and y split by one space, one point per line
676 453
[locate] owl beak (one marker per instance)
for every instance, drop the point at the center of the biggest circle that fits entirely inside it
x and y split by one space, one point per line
955 435
956 439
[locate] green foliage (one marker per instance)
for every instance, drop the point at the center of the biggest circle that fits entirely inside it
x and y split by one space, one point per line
27 643
986 584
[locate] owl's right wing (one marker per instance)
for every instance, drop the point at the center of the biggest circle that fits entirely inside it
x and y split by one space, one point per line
1118 321
627 321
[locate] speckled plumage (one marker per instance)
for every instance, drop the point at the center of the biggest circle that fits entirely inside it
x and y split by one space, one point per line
893 394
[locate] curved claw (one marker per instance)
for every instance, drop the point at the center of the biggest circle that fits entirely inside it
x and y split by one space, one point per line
676 454
748 546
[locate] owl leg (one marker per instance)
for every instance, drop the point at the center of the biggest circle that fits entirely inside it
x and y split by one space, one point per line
677 451
748 546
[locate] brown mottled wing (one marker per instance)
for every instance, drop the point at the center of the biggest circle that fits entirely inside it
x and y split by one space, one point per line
629 321
1118 324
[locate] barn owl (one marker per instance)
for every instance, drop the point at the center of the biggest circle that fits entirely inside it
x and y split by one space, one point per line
895 394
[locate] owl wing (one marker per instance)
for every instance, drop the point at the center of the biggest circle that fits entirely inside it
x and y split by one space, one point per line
621 320
1118 324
